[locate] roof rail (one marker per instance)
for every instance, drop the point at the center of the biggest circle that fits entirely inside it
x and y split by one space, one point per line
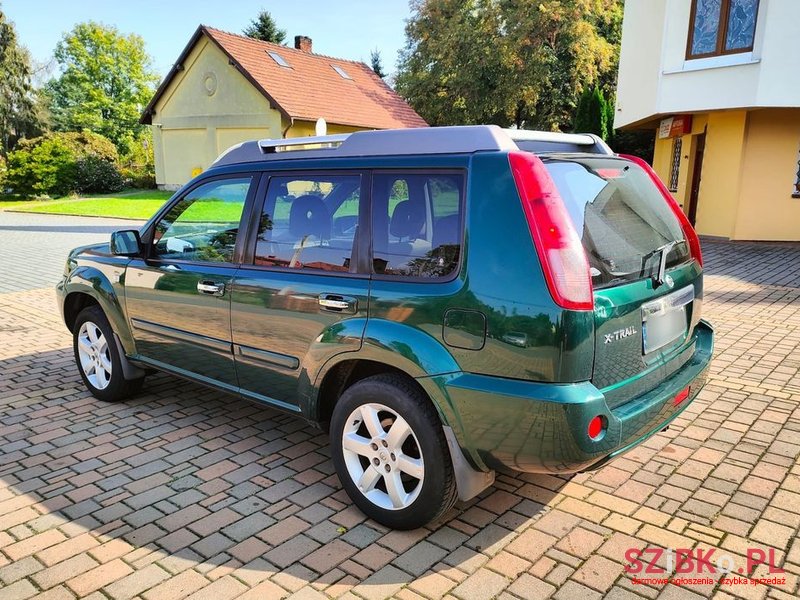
397 142
321 141
385 142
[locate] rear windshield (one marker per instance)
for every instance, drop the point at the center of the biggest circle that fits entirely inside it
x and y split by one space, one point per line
621 216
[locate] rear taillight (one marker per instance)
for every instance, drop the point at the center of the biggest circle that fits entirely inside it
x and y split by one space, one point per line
688 231
563 259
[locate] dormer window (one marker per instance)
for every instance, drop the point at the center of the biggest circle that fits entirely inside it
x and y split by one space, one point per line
718 27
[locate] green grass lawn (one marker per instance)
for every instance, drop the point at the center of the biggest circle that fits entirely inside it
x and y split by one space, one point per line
127 205
15 204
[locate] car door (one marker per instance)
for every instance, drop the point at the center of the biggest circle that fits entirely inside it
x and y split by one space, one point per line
301 295
178 296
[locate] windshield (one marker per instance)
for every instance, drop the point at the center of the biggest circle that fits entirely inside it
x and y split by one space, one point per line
623 220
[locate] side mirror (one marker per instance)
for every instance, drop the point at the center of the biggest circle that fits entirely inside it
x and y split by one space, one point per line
126 243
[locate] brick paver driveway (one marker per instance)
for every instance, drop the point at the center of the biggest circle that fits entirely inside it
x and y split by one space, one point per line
185 492
33 247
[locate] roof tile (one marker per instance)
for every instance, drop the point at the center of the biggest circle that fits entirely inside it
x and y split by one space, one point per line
311 88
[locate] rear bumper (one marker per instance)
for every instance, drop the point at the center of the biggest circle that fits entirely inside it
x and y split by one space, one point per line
542 428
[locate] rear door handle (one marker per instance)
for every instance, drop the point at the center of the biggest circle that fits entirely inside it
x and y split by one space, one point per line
211 288
338 304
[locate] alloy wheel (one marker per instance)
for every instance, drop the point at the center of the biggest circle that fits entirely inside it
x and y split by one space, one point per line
383 456
94 355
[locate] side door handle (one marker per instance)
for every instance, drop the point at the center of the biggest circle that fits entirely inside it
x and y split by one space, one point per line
338 304
211 288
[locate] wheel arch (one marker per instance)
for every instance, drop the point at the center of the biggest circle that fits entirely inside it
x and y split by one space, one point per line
387 346
391 347
88 286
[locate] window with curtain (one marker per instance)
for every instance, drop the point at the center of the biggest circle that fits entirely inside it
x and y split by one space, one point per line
719 27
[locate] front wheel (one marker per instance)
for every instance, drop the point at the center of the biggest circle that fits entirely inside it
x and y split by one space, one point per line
390 452
98 359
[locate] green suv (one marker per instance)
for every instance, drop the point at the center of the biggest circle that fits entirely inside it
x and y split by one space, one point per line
443 302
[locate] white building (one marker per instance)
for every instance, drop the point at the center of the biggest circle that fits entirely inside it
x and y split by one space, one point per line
727 74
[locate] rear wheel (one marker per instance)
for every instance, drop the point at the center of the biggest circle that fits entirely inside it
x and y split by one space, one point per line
98 358
391 454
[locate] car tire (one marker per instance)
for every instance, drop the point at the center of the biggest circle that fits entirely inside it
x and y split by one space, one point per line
390 452
98 359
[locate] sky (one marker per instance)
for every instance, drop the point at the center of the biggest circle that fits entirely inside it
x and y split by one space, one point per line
341 28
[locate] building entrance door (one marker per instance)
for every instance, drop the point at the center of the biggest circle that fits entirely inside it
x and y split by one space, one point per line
697 174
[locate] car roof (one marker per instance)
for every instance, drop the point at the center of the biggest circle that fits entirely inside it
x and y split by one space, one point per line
466 139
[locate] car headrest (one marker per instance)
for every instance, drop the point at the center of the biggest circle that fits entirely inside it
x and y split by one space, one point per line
408 220
309 216
446 231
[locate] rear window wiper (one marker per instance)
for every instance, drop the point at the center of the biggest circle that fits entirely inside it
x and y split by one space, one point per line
662 252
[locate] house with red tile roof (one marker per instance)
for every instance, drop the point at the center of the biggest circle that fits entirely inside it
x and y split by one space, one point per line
226 88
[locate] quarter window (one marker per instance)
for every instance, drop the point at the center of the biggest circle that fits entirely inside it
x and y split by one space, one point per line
416 224
309 222
203 225
721 27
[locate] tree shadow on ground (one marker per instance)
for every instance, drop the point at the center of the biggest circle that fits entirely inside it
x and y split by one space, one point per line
757 263
192 478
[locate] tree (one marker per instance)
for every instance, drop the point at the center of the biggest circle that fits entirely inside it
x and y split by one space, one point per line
18 106
106 80
517 62
611 114
264 28
592 113
375 63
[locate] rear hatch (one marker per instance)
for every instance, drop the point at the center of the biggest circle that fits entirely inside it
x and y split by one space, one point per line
647 285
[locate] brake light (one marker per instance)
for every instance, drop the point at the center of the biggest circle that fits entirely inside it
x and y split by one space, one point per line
563 259
688 231
610 173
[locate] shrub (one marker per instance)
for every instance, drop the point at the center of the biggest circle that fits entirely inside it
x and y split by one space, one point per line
140 177
138 165
49 164
3 169
47 167
94 174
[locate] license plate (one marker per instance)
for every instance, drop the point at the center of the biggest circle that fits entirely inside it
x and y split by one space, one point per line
664 320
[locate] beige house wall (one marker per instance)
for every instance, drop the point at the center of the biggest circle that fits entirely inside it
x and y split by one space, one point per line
767 210
208 107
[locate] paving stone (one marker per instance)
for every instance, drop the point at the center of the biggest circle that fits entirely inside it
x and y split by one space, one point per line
481 585
531 588
108 501
419 558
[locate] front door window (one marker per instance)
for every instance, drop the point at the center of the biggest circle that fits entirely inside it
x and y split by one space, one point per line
203 225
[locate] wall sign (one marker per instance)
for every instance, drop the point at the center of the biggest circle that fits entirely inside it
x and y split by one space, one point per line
675 127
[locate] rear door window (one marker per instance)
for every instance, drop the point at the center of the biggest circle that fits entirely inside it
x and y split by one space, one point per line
622 218
416 224
309 222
